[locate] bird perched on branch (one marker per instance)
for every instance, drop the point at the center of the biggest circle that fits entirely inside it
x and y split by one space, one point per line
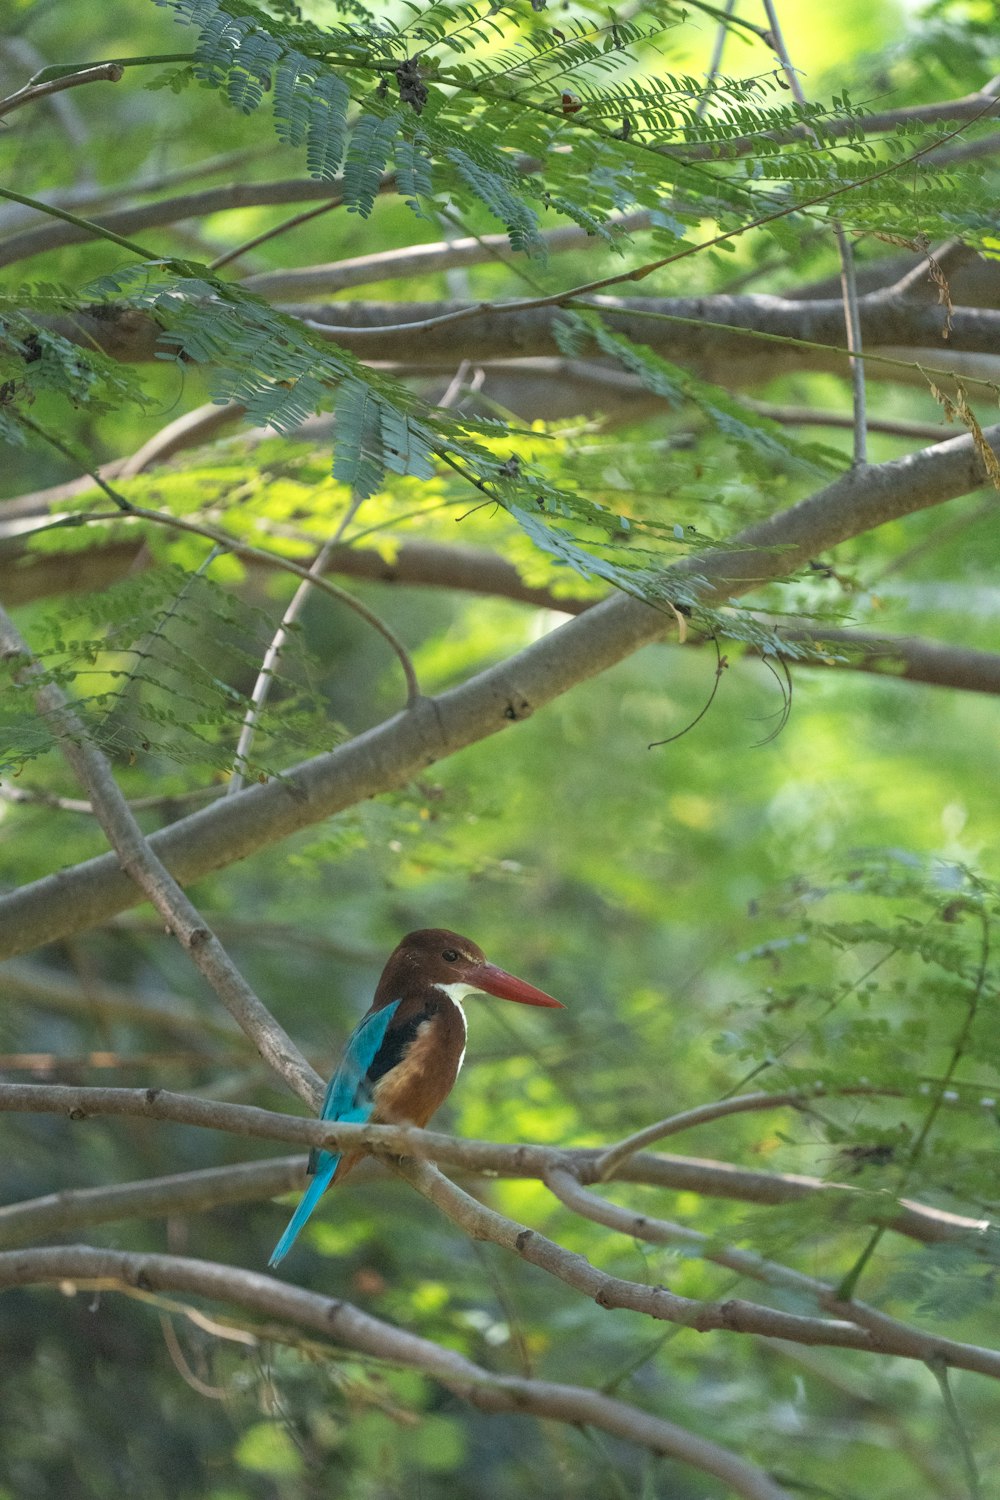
403 1057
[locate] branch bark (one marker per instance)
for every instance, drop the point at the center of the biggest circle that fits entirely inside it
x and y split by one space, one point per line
388 755
851 1326
150 877
720 334
678 1173
265 1297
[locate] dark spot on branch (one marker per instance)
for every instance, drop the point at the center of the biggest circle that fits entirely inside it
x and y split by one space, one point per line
152 1095
603 1298
198 937
521 709
523 1238
412 89
78 1114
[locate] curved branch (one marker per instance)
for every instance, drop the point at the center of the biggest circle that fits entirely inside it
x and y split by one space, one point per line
103 73
894 1336
678 1173
390 754
154 1197
142 866
718 1109
167 211
852 1326
265 1297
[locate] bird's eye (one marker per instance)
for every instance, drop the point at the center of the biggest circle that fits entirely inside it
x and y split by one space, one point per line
450 955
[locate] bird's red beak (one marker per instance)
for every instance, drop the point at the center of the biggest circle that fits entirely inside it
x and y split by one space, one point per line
506 987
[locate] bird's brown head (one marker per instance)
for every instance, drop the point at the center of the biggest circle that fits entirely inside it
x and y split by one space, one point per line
435 957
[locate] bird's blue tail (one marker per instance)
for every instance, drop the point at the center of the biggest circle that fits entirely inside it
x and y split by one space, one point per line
310 1198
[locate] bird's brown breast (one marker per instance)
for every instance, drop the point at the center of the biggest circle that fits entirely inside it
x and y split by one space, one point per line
411 1091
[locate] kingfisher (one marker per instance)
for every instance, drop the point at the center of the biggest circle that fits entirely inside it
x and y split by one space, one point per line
403 1057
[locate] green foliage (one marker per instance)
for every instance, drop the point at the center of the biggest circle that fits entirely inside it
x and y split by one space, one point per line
697 905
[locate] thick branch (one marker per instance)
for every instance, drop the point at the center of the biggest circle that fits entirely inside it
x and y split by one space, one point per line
154 1197
264 1297
719 333
904 656
679 1173
392 753
213 200
879 1334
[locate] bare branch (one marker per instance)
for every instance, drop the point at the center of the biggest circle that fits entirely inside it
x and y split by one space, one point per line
678 1173
110 72
852 1326
305 282
150 876
894 1336
812 416
262 686
165 211
265 1297
154 1197
848 280
719 1109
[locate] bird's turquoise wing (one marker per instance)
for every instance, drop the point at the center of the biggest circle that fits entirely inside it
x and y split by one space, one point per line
348 1097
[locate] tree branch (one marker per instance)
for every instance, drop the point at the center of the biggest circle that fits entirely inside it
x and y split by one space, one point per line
894 1337
151 877
167 211
263 1296
678 1173
968 107
729 338
390 754
869 1331
110 72
154 1197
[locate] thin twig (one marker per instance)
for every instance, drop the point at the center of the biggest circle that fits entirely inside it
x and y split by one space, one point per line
715 62
269 666
848 280
283 228
104 73
719 1109
92 230
154 880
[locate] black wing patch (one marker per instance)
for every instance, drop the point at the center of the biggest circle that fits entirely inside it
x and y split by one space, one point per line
398 1041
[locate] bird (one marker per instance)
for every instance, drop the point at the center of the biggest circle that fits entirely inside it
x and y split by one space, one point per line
403 1057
